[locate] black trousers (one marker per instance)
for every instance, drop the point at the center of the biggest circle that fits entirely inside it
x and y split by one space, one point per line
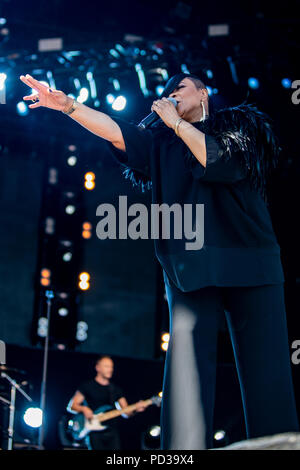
256 319
108 439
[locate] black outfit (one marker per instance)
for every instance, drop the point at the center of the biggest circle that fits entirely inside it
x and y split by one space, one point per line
238 271
97 395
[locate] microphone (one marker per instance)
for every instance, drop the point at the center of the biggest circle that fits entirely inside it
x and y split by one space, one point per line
152 117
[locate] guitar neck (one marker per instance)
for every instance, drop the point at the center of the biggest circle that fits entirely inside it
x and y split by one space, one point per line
114 413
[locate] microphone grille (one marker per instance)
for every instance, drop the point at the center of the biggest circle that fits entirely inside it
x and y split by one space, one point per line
173 101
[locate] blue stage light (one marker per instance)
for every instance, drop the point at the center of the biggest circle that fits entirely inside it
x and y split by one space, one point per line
286 82
119 104
253 83
22 108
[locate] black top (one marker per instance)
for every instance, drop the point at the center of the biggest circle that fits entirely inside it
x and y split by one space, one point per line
239 246
97 395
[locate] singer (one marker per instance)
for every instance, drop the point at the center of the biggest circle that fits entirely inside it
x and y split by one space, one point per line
189 154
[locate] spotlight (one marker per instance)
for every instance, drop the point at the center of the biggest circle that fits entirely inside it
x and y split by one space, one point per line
70 209
159 89
253 83
84 281
209 73
89 180
42 327
22 109
72 160
3 77
83 95
286 82
67 256
110 98
119 103
220 439
63 312
45 277
81 333
209 90
33 417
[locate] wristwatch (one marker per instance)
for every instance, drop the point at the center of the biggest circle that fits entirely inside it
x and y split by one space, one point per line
72 108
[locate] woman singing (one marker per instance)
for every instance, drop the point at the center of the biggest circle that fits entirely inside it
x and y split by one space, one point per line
219 160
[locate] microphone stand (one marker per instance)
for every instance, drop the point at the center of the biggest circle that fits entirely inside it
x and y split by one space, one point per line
49 294
14 386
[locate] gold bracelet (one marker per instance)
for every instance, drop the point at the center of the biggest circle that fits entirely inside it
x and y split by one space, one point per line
72 107
176 126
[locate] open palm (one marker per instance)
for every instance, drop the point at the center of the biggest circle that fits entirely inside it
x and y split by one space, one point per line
53 99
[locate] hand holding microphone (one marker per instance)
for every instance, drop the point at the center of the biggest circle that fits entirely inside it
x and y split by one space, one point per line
164 109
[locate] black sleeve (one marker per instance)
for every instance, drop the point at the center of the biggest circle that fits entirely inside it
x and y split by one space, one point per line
138 145
117 393
218 168
83 388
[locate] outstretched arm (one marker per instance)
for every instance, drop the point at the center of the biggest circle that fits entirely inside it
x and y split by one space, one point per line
94 121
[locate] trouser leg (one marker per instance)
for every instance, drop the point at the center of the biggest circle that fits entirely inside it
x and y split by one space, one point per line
257 324
190 368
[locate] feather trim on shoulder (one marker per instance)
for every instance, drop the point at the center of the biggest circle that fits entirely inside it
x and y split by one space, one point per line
248 131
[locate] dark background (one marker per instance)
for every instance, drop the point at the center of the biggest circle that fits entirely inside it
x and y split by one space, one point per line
124 308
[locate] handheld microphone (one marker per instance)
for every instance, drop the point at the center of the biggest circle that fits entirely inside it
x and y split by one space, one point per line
152 117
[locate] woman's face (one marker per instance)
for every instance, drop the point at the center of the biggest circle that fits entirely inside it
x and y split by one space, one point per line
189 100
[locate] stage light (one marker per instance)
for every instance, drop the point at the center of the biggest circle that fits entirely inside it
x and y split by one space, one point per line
70 209
45 277
119 103
142 79
92 83
22 109
110 98
81 333
184 68
42 327
63 312
52 179
67 256
89 180
159 90
215 91
209 90
2 21
33 417
72 160
154 431
83 95
116 84
165 337
51 80
86 230
84 281
209 73
49 225
3 77
219 435
286 82
114 53
253 83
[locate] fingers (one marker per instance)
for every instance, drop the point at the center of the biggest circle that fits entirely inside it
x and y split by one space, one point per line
30 81
35 105
29 97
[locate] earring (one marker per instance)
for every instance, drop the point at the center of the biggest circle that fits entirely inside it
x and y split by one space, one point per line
203 112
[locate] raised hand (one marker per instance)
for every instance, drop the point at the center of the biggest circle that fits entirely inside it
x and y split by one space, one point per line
53 99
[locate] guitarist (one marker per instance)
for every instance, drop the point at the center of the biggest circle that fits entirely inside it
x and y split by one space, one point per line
98 392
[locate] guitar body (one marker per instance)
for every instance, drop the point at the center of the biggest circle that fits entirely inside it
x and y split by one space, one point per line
81 426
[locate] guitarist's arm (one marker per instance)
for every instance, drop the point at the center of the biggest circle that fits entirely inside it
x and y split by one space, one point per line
75 405
123 404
